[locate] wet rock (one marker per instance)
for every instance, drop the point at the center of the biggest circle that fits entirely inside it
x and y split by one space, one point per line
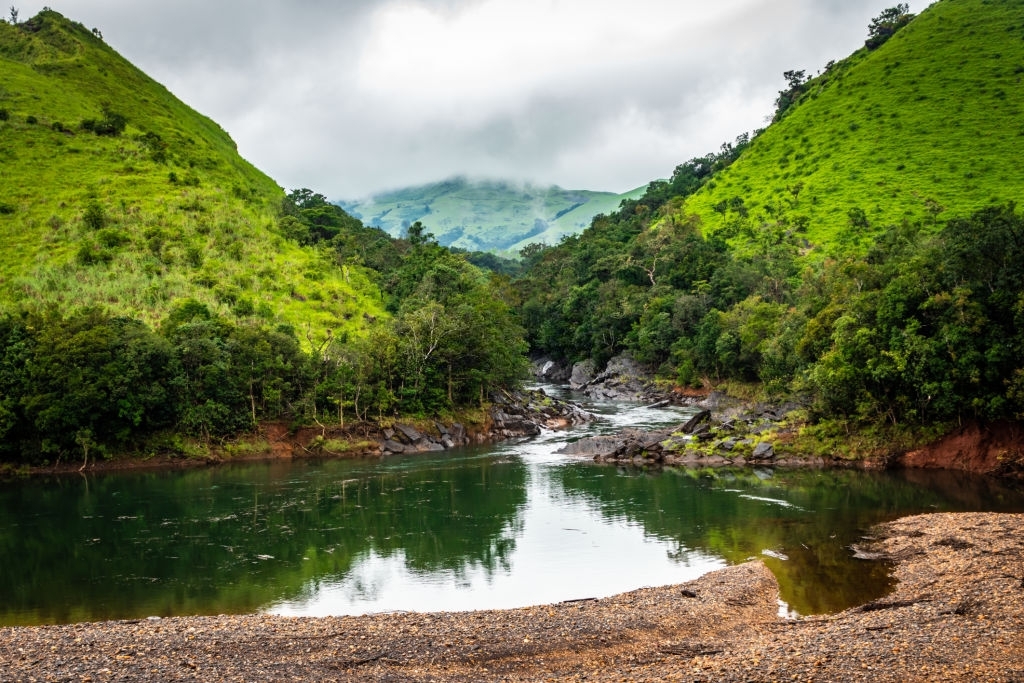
700 419
391 446
597 446
410 433
582 374
763 451
550 370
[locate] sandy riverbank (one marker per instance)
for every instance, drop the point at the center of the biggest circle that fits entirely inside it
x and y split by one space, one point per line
957 614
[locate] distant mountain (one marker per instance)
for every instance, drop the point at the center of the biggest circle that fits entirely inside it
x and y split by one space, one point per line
487 215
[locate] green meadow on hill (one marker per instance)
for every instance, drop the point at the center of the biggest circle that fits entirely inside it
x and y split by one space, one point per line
159 293
114 192
928 125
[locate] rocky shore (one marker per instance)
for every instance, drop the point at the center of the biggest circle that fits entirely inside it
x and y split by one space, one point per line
509 415
723 432
956 614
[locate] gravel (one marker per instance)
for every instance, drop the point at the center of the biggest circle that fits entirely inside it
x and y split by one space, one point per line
955 615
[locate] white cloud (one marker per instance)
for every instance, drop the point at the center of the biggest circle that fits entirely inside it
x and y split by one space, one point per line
362 95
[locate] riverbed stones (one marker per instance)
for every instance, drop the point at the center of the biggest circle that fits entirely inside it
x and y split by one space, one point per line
512 415
954 614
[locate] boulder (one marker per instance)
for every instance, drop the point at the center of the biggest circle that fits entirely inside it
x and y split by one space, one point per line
409 432
582 374
697 420
763 451
391 446
550 370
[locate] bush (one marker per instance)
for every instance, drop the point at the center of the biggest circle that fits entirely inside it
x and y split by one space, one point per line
94 216
31 120
4 115
111 124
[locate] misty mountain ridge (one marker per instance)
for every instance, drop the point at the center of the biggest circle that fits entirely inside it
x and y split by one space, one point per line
487 215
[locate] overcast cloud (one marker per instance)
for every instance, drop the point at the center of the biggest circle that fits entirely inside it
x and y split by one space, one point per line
353 97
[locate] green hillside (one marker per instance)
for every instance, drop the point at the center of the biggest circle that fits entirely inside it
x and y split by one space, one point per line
114 192
487 215
929 124
864 255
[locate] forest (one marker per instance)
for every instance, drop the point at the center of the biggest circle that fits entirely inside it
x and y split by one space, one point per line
90 383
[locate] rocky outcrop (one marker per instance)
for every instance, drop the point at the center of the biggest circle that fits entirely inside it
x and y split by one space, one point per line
512 414
737 435
623 379
549 370
583 373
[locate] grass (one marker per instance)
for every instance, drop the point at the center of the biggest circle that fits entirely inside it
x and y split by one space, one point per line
928 126
163 211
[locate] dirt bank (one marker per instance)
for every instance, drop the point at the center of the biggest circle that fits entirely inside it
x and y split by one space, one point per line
957 614
989 448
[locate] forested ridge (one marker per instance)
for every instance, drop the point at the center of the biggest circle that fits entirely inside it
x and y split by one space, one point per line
158 293
736 268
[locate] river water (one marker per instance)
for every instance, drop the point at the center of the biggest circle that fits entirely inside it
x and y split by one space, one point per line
490 527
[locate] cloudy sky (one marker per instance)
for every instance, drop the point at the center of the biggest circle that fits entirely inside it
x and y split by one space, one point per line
351 97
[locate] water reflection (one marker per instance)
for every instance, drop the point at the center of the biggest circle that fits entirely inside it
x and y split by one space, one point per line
503 526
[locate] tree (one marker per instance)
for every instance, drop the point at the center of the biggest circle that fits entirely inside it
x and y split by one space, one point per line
796 82
886 24
14 15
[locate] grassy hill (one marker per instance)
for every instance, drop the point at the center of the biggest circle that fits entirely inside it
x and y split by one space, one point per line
929 125
487 215
114 192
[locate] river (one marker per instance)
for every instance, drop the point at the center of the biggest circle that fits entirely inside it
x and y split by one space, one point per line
489 527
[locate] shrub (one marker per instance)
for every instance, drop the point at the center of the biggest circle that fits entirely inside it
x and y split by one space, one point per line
94 216
31 120
111 124
4 114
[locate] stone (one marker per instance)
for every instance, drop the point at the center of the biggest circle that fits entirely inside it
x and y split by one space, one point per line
763 451
582 374
393 446
693 422
409 433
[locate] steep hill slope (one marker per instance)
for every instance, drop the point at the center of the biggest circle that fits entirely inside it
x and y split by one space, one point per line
487 215
114 192
928 125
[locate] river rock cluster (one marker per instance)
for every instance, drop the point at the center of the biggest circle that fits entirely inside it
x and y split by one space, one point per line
622 379
512 414
733 434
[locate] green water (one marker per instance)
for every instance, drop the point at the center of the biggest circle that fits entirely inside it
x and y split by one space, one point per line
505 526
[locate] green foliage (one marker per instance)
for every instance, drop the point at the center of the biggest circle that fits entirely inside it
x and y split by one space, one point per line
112 123
884 26
886 301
